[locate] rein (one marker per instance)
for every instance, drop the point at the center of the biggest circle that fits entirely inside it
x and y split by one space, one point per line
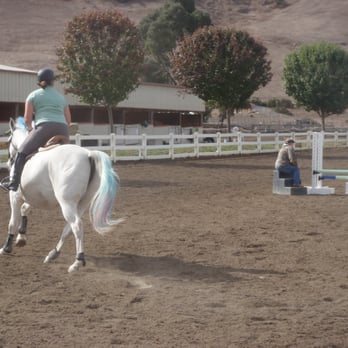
9 141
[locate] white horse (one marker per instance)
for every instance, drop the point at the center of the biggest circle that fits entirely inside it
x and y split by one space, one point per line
69 176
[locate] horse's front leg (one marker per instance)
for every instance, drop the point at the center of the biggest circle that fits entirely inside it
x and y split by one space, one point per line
15 202
54 253
21 239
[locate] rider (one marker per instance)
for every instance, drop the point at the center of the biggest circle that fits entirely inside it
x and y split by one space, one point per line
52 117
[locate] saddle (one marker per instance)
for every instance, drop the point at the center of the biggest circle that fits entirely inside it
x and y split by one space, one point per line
54 141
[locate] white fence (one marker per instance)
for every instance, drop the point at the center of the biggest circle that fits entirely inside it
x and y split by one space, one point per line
143 147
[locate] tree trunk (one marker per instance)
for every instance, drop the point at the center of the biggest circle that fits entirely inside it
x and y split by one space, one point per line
110 117
229 113
322 117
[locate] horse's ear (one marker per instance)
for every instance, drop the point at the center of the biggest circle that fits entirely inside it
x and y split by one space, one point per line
12 124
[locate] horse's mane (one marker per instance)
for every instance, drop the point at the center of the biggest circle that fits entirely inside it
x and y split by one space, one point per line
20 122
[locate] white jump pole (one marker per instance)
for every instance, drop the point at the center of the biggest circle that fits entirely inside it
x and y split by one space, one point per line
317 158
317 166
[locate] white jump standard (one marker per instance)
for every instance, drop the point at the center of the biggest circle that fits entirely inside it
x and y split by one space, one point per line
317 165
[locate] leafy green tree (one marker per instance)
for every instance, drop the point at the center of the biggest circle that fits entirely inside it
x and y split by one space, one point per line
188 5
101 58
221 65
162 29
316 76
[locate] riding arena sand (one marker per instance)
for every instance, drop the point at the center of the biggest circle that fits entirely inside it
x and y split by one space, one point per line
207 257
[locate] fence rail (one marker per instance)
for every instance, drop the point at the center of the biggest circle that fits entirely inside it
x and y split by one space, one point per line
171 146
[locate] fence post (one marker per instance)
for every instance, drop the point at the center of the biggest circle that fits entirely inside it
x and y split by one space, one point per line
218 143
171 146
239 143
276 139
259 144
195 144
113 147
78 139
143 150
309 140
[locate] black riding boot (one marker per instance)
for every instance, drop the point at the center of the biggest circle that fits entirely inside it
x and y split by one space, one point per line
15 173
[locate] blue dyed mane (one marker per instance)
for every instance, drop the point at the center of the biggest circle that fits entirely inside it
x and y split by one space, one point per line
20 123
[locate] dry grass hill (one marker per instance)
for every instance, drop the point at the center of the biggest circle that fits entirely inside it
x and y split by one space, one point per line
32 29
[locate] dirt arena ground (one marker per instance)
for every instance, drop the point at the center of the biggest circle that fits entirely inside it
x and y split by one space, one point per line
207 257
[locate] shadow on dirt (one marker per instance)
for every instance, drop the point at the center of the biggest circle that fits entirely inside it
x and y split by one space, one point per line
214 163
146 183
231 166
171 267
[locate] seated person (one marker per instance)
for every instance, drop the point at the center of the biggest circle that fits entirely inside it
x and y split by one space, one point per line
286 161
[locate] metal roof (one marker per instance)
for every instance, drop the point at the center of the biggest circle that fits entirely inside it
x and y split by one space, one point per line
17 83
13 69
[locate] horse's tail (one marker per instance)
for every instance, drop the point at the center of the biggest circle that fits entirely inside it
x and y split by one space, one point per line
103 199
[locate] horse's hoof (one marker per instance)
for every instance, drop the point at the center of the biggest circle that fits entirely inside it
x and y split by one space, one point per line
75 266
53 254
21 241
4 252
7 248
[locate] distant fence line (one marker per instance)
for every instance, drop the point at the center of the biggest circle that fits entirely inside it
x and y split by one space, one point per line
171 146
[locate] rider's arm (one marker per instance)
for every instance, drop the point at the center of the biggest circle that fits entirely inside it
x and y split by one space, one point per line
292 156
67 115
28 115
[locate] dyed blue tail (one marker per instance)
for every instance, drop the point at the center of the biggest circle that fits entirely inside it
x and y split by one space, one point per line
102 202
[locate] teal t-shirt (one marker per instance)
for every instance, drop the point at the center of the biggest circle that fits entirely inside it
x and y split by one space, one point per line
48 105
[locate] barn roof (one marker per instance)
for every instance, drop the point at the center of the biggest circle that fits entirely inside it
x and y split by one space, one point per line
13 69
17 83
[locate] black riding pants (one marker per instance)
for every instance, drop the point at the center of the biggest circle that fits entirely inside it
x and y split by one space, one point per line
41 134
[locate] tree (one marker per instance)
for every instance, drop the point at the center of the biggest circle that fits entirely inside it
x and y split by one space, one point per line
221 65
162 29
316 76
101 58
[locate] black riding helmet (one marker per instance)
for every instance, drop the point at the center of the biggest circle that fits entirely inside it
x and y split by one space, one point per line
46 75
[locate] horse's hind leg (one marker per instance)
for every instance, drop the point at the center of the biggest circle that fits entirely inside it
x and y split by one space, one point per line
72 215
21 239
77 230
54 253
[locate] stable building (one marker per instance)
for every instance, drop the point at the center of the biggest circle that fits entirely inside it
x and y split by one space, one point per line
150 108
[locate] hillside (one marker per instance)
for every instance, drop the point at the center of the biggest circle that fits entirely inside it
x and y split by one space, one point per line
32 29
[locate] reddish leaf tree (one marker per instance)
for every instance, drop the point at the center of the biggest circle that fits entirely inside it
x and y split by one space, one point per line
101 58
221 65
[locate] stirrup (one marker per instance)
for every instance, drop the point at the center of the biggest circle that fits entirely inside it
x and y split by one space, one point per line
7 185
4 183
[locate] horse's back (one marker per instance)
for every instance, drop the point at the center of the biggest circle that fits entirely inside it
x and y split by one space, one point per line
61 173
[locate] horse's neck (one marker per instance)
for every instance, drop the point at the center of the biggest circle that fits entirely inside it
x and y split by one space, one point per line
18 137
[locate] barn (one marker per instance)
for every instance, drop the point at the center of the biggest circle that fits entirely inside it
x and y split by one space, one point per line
150 108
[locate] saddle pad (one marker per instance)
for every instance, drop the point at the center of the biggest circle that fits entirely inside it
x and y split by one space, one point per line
46 148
